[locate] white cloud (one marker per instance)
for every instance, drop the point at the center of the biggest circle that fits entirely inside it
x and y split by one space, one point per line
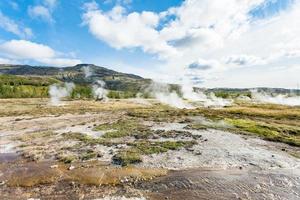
6 61
118 2
26 50
43 11
244 60
23 49
50 3
40 12
205 31
10 25
121 30
65 62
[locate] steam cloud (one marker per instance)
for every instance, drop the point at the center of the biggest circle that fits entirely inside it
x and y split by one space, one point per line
99 92
163 94
57 92
277 99
87 72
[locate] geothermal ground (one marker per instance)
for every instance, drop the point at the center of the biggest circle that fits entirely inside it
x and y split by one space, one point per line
139 149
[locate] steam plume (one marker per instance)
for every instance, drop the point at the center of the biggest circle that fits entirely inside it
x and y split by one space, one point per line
163 94
206 100
57 92
87 72
277 99
99 92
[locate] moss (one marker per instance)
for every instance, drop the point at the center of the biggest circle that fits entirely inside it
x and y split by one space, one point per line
127 157
252 127
146 147
123 128
31 136
66 158
196 126
133 154
88 140
271 132
88 155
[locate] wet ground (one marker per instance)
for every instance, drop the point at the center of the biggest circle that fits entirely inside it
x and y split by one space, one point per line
221 165
226 184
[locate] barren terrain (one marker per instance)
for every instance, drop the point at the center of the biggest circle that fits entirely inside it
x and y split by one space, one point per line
133 149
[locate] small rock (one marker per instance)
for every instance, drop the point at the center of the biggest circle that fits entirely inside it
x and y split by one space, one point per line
2 183
198 153
99 155
53 166
205 140
240 167
283 149
72 183
179 158
273 156
71 167
189 149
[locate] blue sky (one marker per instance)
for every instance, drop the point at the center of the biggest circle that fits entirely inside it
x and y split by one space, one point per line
158 39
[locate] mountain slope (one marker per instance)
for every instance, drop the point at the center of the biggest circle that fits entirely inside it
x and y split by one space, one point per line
77 74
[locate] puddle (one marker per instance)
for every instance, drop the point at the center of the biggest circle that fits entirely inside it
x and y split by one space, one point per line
8 157
7 147
225 184
89 173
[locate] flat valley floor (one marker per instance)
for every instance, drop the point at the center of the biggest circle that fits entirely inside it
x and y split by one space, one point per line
139 149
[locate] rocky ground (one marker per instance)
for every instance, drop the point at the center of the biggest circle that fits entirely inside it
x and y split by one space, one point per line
132 149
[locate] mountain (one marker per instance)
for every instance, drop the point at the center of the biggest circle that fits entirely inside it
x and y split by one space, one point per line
77 74
41 75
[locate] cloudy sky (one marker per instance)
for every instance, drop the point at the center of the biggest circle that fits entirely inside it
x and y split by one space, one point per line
210 43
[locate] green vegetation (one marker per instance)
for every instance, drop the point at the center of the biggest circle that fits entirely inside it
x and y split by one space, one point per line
127 157
14 80
89 154
124 127
12 86
133 154
280 133
113 94
66 158
271 122
87 140
146 147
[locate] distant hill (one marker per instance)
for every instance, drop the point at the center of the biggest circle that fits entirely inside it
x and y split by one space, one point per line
115 81
77 74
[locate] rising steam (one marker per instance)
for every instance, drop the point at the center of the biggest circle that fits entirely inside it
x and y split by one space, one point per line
210 100
189 97
87 72
57 92
276 99
99 91
164 95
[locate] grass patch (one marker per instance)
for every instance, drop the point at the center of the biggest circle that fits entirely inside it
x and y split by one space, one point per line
32 136
133 154
88 140
123 128
89 154
127 157
271 132
66 158
147 148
